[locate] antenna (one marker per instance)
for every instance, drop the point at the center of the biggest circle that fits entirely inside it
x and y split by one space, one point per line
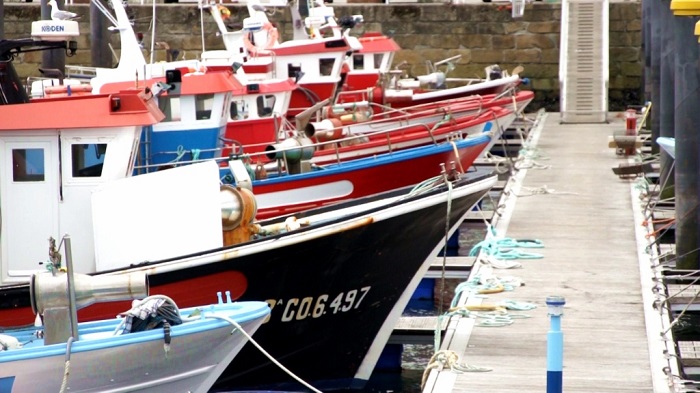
153 32
201 23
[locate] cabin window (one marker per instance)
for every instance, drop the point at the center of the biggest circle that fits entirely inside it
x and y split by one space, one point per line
87 159
204 104
239 110
28 165
226 104
325 66
265 105
358 61
378 60
294 71
170 106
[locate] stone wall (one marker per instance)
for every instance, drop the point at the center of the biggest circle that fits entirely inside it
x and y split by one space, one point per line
483 34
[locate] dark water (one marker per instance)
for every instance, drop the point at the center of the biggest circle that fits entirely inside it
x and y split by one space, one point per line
407 381
415 357
687 328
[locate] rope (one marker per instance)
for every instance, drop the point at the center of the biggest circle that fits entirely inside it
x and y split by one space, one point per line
180 153
449 359
459 161
502 164
272 359
542 190
505 248
447 238
66 367
658 232
524 243
488 285
680 315
498 263
514 253
518 306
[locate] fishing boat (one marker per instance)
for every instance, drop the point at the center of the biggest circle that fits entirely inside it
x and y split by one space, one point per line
153 347
365 71
202 103
304 184
315 65
410 127
343 270
255 118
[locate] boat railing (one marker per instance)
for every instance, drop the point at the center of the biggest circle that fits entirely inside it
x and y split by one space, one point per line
433 67
389 133
177 161
365 96
393 134
280 165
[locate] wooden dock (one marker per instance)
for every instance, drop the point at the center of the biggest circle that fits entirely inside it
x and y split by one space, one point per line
450 267
589 221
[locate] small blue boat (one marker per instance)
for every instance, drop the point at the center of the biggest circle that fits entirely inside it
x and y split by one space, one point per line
155 347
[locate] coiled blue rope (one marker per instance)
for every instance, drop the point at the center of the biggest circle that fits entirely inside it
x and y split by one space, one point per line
506 248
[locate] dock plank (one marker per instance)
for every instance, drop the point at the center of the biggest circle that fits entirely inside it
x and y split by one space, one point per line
455 267
417 330
690 353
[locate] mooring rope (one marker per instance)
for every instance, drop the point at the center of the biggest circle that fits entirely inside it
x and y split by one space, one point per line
66 366
448 359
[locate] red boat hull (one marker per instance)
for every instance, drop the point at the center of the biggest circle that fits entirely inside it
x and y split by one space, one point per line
293 193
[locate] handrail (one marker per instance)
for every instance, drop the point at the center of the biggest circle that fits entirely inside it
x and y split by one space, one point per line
336 144
563 49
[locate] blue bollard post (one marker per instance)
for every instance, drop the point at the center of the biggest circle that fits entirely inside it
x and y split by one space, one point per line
555 345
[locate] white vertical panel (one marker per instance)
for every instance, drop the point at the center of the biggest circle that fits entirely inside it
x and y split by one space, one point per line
583 61
158 215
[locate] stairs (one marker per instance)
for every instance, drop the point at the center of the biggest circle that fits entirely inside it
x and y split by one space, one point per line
583 61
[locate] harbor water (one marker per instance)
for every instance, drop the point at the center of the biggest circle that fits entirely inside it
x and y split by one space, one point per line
416 357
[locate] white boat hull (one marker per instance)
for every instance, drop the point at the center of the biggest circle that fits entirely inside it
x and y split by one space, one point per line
193 362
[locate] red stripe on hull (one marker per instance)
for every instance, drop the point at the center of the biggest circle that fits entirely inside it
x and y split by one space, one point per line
187 293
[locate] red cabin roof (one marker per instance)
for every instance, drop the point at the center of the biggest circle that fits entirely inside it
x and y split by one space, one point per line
313 46
192 83
126 108
266 87
372 43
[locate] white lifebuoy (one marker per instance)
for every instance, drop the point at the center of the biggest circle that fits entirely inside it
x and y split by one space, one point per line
272 36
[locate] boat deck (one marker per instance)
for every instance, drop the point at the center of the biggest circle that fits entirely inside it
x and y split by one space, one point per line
594 256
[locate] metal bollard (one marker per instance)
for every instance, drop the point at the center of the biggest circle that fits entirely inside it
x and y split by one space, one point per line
555 344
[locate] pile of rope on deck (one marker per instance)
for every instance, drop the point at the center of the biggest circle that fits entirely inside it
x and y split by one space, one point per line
479 286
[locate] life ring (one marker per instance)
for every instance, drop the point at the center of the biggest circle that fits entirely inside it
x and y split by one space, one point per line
202 69
225 12
272 36
67 90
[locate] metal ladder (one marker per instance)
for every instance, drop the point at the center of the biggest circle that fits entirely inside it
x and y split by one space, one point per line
584 61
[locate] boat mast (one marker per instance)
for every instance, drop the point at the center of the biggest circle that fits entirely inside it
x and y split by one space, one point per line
153 32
